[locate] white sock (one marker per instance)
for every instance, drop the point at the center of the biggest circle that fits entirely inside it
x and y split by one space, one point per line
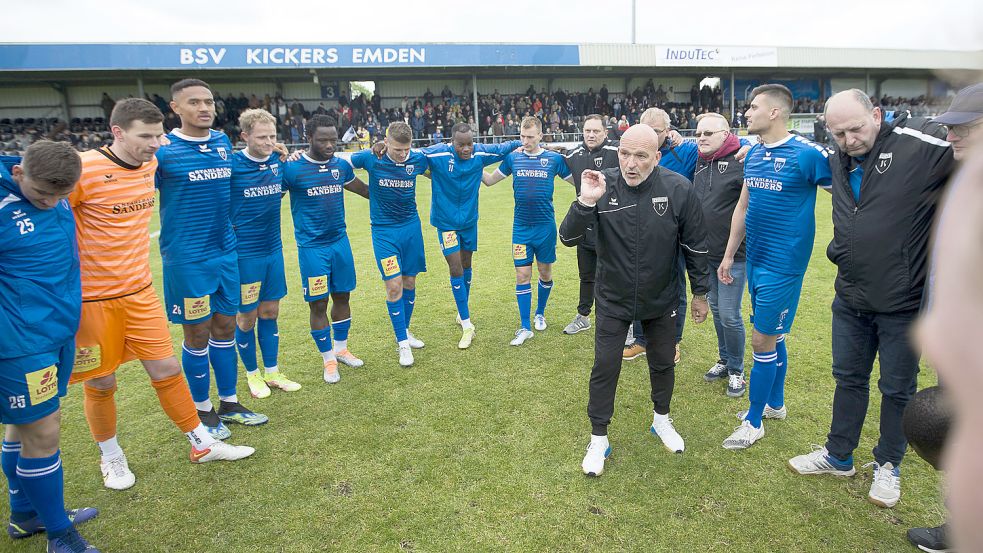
328 356
340 345
110 448
595 439
200 438
404 343
273 369
657 417
229 399
204 405
252 372
466 323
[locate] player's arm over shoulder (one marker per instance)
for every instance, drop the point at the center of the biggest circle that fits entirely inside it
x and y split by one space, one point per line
814 164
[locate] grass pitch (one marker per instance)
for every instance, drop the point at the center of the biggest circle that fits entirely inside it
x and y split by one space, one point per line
480 450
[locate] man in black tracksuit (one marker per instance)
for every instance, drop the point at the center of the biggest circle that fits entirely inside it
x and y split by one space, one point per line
641 214
596 153
887 179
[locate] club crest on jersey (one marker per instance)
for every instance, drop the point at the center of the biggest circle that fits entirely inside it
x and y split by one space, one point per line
722 166
275 168
544 162
598 161
335 174
660 205
884 162
779 163
409 169
222 153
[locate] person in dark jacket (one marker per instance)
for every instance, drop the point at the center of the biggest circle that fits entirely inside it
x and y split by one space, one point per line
718 181
595 153
640 213
887 180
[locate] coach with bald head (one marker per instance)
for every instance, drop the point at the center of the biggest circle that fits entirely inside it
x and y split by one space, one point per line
640 212
888 173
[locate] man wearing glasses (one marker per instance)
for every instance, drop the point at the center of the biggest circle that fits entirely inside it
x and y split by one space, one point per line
887 178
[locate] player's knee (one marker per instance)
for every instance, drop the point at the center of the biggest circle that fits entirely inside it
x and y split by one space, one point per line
107 382
762 342
196 336
165 368
269 310
222 327
40 438
409 282
246 321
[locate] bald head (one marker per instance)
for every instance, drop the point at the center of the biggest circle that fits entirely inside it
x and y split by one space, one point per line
638 153
853 121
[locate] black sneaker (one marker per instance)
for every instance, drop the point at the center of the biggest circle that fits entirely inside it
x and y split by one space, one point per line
932 540
235 412
216 428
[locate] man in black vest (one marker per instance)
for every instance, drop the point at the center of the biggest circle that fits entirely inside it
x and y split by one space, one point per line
888 174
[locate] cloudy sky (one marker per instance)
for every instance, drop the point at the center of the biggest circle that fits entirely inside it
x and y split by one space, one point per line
933 25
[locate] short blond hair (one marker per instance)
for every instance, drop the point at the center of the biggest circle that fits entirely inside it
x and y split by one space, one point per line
399 132
651 115
531 121
251 117
713 115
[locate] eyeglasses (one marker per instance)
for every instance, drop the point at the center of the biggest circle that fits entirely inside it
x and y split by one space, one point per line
962 131
708 134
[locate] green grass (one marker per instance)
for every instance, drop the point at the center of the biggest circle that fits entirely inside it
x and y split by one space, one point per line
480 450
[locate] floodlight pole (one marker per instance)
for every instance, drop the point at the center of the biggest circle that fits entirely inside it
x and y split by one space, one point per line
633 21
733 105
474 93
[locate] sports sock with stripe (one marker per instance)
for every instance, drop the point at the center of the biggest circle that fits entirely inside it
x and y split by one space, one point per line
523 295
467 280
409 302
543 296
269 341
460 297
322 338
762 378
195 365
246 346
20 506
42 480
397 318
222 355
776 399
340 330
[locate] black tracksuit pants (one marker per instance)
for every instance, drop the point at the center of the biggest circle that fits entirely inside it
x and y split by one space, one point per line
609 343
587 265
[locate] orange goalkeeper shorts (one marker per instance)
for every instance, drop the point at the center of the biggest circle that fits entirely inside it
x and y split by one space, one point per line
115 331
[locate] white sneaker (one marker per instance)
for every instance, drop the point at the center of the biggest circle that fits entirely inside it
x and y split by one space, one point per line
885 490
116 473
457 319
521 336
405 356
466 338
348 358
777 414
663 428
539 322
221 451
820 462
743 436
597 451
415 342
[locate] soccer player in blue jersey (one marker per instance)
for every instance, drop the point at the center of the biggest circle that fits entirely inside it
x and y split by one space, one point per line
455 172
198 247
534 227
327 268
777 211
397 238
40 308
256 193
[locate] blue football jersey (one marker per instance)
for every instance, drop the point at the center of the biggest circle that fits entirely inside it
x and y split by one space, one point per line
256 193
392 186
532 183
194 178
680 158
317 202
40 283
455 182
781 215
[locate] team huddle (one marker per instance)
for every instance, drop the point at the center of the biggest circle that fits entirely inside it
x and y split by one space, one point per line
76 258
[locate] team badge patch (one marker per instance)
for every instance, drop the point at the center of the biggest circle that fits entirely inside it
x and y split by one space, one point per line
222 153
42 385
544 162
884 162
335 174
779 163
518 251
196 308
249 292
87 359
275 168
390 266
317 286
660 205
722 166
409 169
449 238
598 161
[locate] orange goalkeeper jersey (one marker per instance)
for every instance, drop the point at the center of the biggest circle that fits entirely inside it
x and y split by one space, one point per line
113 203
